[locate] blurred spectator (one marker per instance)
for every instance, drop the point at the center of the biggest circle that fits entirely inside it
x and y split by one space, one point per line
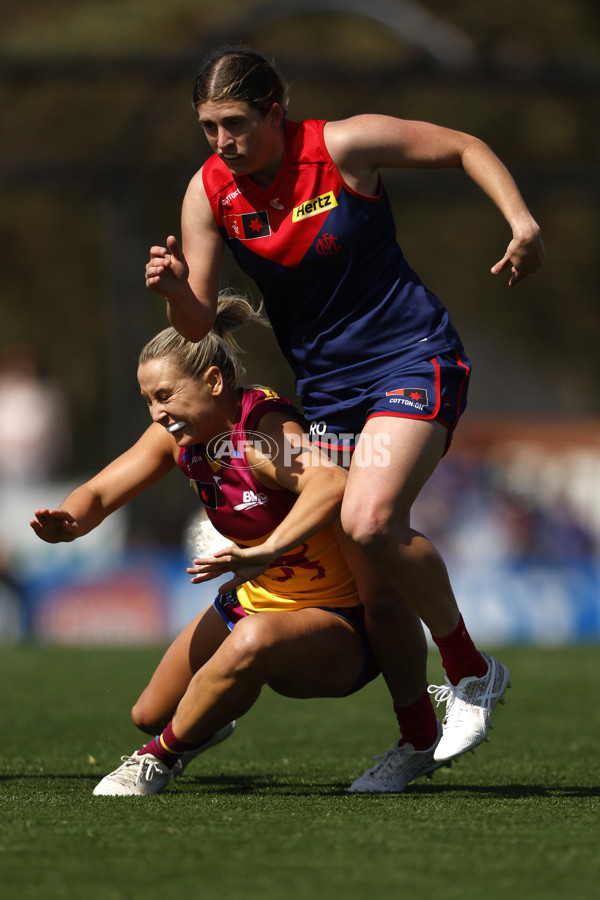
471 511
34 422
35 441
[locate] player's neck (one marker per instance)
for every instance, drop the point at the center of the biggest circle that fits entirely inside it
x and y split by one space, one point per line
267 173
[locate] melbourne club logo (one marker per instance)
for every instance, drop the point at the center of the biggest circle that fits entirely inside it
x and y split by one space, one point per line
327 245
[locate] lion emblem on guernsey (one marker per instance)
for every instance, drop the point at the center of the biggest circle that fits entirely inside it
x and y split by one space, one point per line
289 563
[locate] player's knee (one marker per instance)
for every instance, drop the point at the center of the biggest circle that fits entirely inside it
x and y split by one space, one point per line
374 529
248 644
370 530
142 718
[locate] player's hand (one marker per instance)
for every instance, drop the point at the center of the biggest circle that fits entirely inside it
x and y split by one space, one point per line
524 255
247 563
54 526
167 269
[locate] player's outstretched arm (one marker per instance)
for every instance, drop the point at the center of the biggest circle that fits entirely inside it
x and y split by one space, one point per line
362 145
79 513
54 526
149 460
524 254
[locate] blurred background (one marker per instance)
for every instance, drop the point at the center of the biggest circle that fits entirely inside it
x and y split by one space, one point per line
98 143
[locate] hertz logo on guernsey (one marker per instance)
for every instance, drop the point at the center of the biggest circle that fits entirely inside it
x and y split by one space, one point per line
322 203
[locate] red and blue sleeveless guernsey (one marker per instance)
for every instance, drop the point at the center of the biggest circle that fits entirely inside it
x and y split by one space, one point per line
344 304
245 512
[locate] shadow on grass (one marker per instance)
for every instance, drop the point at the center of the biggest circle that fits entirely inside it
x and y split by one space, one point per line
230 785
259 783
509 791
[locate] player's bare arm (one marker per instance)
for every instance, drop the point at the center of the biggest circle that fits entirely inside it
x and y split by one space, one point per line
297 466
362 145
191 296
203 247
301 467
149 460
55 526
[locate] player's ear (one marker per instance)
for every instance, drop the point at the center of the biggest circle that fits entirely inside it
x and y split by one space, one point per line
275 114
213 378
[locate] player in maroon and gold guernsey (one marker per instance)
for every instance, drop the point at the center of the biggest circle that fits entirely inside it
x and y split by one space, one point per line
274 497
302 207
246 509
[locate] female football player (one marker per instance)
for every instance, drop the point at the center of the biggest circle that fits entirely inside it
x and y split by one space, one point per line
302 207
274 496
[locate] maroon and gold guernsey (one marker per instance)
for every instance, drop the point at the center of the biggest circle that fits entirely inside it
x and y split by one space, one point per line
245 512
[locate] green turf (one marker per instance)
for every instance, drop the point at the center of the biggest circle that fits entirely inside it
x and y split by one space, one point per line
265 815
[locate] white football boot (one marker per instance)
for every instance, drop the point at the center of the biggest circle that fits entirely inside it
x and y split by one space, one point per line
137 776
469 707
397 768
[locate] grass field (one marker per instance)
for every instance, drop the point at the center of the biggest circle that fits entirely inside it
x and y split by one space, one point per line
265 815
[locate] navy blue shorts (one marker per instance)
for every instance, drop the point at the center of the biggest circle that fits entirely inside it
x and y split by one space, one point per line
230 610
433 389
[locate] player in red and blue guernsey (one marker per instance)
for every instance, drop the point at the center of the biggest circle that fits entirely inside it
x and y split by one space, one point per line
378 363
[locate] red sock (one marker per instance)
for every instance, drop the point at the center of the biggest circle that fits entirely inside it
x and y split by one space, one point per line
418 723
166 747
460 656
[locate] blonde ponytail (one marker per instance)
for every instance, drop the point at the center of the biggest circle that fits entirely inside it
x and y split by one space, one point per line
217 348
